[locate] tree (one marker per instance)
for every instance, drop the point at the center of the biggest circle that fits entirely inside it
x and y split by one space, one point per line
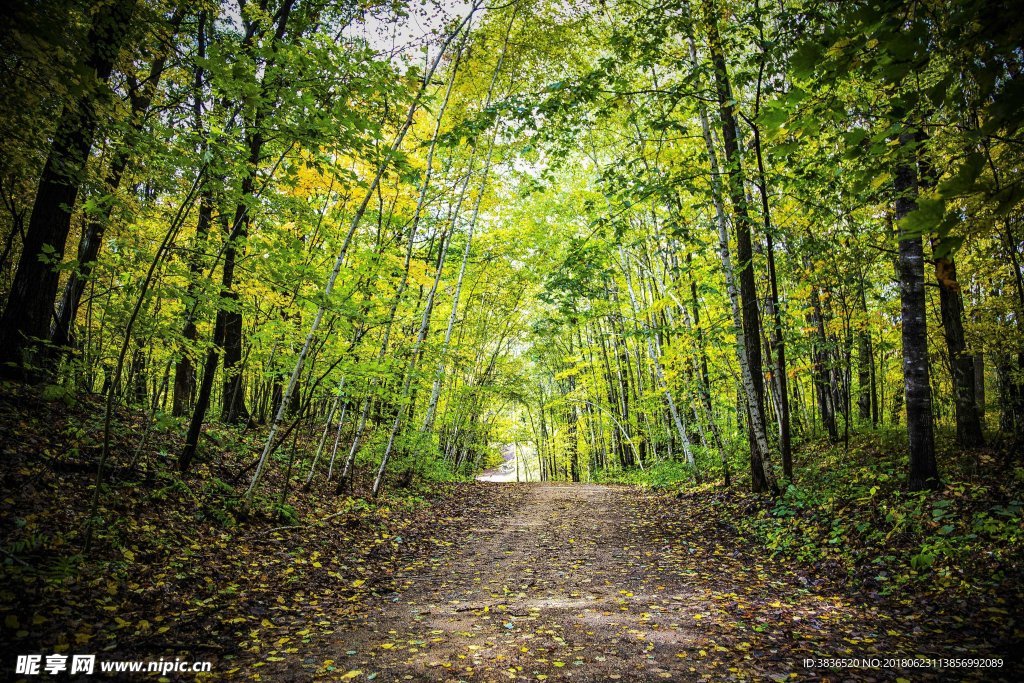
26 319
923 471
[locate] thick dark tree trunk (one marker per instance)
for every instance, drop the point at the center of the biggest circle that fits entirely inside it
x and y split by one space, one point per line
195 426
1011 389
923 472
88 250
26 319
961 363
184 369
979 384
141 97
951 306
233 409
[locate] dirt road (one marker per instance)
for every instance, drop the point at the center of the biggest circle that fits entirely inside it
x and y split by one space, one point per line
540 582
559 589
565 587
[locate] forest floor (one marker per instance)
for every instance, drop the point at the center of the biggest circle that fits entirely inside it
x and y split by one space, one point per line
479 581
596 583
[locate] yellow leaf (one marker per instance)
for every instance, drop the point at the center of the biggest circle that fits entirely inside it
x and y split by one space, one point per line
358 582
351 674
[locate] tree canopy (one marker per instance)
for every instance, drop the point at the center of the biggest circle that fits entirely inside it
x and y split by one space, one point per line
626 234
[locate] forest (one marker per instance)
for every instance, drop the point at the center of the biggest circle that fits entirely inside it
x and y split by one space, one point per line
520 340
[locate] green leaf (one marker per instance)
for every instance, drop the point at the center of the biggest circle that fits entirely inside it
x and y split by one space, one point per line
930 212
964 180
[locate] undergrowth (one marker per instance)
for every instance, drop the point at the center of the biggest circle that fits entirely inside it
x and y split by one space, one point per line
160 537
849 516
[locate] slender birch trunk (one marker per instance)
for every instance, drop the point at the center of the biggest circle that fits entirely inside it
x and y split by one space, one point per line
759 435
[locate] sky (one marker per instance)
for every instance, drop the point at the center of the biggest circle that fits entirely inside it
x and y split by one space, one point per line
400 37
406 35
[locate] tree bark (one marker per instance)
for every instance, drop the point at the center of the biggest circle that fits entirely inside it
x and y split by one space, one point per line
961 363
867 398
822 371
951 307
92 236
184 369
923 472
762 476
778 343
26 319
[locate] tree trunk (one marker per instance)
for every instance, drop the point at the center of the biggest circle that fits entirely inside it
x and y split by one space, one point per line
659 375
26 319
822 373
778 342
864 376
233 410
961 363
92 236
951 307
184 369
979 384
867 398
923 471
762 476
